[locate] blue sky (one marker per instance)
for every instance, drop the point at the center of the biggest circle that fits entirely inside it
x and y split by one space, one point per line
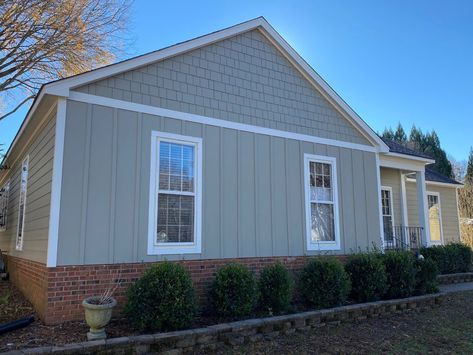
392 61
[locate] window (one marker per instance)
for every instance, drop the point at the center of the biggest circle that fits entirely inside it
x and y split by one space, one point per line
435 217
321 203
175 194
4 192
21 207
387 209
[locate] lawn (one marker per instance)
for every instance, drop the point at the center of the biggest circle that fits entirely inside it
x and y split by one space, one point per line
444 329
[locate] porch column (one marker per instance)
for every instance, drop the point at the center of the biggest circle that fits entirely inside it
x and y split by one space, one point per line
404 214
422 204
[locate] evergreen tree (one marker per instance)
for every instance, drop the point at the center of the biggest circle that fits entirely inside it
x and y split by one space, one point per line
416 138
400 136
469 169
388 134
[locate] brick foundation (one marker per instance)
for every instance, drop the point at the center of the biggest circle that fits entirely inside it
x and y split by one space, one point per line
57 293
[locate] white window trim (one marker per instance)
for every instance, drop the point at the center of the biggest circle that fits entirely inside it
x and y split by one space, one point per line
174 248
19 244
390 189
435 242
322 245
7 183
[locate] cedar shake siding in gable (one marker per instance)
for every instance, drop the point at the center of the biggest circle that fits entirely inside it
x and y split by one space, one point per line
252 195
243 79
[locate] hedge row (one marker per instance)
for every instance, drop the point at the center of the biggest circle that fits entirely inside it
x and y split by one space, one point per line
164 297
451 258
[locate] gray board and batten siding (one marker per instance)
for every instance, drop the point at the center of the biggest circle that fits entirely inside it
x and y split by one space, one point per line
253 190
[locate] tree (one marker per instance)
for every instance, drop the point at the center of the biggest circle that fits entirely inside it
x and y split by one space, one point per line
400 136
388 134
469 169
459 168
43 40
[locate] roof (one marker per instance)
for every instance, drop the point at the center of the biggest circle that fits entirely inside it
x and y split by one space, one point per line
433 176
395 147
63 87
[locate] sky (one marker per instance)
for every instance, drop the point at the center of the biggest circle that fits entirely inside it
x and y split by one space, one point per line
391 61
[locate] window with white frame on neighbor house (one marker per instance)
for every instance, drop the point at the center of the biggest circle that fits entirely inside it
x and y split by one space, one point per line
4 194
22 204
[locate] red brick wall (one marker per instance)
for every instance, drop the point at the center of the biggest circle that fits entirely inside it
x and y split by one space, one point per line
67 286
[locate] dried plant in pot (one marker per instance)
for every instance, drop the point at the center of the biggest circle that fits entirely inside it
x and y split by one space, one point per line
98 312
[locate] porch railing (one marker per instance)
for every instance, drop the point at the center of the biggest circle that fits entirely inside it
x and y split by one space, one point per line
403 238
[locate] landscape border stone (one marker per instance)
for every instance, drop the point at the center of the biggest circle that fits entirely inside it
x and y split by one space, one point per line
240 332
455 278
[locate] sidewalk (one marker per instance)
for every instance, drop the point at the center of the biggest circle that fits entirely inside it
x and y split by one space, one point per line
458 287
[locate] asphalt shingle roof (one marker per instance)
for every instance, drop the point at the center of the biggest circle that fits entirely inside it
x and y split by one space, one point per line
431 175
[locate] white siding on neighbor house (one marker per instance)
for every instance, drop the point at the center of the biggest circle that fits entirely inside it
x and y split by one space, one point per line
253 190
38 198
448 206
243 79
392 178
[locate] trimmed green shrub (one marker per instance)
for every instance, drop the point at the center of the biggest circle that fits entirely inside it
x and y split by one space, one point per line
233 292
162 299
450 258
399 266
367 275
324 283
275 288
426 276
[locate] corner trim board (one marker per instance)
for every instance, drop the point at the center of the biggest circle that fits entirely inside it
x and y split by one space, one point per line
56 184
164 112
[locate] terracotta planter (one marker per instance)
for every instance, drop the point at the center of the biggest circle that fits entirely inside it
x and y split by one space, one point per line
97 316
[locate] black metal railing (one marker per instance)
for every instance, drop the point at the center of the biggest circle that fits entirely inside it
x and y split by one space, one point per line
403 238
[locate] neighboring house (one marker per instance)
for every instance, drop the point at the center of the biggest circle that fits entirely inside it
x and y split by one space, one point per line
225 147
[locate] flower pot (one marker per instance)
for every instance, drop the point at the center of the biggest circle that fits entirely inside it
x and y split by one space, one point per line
97 316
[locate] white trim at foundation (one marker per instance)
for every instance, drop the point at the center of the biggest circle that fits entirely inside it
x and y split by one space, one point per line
159 111
56 184
63 87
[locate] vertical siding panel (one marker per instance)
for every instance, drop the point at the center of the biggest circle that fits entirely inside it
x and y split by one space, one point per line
246 195
98 216
305 148
369 163
127 130
211 193
278 196
230 194
359 199
172 125
113 188
74 164
263 196
295 216
347 204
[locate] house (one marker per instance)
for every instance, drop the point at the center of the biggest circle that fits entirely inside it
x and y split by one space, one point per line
225 147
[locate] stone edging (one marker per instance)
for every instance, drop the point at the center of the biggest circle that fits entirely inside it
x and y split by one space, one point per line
241 332
455 278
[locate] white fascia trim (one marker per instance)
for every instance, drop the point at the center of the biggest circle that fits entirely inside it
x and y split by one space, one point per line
401 163
56 184
159 111
63 87
432 242
176 248
411 157
321 246
437 183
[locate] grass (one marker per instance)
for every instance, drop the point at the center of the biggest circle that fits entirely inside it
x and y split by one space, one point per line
447 329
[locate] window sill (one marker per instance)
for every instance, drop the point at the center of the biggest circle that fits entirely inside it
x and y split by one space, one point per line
324 246
174 249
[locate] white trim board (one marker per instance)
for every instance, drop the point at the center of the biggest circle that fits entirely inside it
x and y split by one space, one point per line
56 184
63 87
437 183
164 112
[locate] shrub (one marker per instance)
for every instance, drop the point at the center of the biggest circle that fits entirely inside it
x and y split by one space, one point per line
162 299
324 283
233 292
400 274
450 258
426 276
275 288
368 277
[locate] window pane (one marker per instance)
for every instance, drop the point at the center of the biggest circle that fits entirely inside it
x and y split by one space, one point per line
175 218
320 182
323 228
176 167
434 217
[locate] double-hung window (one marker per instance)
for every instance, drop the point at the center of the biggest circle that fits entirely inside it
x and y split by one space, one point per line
387 209
4 192
435 217
320 180
22 204
175 194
